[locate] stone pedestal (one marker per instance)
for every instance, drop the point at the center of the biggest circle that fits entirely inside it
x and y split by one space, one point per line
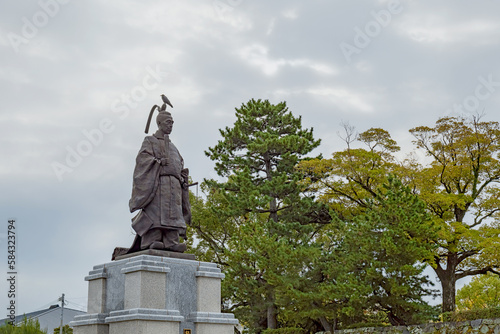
149 294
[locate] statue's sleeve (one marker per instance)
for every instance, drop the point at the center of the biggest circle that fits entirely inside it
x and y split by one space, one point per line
146 175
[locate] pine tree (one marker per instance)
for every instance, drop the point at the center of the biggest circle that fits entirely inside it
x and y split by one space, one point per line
369 268
385 248
272 220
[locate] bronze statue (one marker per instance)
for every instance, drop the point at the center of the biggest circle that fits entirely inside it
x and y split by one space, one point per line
160 190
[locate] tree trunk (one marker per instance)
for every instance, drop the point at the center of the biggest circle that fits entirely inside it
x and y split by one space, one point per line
448 282
273 207
327 327
448 286
272 322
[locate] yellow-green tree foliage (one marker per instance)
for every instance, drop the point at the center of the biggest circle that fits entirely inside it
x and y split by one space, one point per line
482 292
459 185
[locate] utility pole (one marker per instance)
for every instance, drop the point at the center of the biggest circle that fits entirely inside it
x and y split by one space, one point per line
62 313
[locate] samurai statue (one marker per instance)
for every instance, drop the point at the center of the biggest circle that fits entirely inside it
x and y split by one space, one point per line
160 190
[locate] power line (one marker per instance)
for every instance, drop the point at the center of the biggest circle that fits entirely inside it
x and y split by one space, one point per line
80 306
47 305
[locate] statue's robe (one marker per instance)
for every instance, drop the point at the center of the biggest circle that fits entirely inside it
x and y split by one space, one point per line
158 190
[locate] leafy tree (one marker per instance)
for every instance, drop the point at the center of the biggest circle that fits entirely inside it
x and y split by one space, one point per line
459 187
482 292
351 178
263 225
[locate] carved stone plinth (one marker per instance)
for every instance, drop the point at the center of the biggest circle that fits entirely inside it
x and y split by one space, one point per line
153 294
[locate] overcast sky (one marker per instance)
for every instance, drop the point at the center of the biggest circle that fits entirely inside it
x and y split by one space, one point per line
78 79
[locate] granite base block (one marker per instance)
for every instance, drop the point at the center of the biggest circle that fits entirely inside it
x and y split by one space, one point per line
208 293
213 318
89 319
209 323
145 289
203 328
144 327
90 324
96 296
92 329
144 314
145 294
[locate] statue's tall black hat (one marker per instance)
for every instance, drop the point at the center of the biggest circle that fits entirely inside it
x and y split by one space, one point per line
160 111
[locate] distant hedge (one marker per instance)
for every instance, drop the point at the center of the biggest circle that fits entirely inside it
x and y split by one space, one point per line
488 313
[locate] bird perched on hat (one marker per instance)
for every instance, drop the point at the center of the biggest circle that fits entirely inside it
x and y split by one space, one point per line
165 102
